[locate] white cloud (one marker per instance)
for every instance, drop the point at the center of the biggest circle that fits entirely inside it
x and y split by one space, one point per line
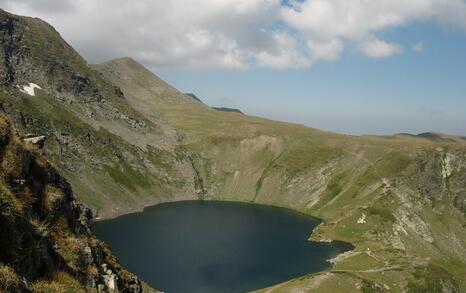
235 33
376 48
356 21
326 50
287 55
202 33
353 19
418 47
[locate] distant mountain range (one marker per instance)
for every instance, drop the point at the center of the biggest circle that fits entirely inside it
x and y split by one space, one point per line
221 109
225 109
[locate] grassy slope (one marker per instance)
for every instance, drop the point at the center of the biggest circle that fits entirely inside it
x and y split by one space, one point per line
398 184
117 160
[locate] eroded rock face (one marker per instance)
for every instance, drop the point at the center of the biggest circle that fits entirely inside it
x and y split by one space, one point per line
48 230
109 279
409 220
37 141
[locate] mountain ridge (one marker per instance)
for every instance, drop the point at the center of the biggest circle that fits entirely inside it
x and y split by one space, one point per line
125 139
229 110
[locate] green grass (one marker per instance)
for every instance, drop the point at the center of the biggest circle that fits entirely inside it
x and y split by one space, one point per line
393 164
270 166
299 158
368 286
126 168
334 188
384 214
431 279
128 176
7 204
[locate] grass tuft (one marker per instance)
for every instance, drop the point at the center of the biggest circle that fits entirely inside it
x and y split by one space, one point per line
9 280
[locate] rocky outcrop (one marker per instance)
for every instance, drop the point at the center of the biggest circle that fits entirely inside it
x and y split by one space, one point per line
37 141
47 231
110 280
24 40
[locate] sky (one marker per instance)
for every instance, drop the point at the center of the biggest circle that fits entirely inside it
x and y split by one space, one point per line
350 66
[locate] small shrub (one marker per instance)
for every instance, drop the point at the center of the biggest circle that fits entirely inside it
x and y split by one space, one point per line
7 204
41 227
9 280
69 248
61 282
370 287
432 279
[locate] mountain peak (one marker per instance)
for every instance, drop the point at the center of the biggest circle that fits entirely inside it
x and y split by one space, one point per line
133 78
34 52
128 61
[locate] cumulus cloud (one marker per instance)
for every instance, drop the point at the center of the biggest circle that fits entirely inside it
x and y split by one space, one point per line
353 19
289 54
380 49
235 33
329 50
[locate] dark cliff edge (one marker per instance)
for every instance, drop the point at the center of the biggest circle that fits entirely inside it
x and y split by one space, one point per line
46 243
225 109
193 96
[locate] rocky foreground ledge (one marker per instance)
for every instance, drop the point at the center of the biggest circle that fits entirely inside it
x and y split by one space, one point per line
46 244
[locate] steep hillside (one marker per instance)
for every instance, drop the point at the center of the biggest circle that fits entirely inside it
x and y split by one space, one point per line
117 159
46 243
124 139
401 201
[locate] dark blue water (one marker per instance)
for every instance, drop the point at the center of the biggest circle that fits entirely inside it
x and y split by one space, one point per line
211 246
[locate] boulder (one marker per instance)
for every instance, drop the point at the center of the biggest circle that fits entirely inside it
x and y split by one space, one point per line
37 141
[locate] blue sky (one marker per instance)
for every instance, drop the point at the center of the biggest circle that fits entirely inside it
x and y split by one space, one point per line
410 92
350 66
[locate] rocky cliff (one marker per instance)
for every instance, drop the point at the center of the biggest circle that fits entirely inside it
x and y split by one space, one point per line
46 243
